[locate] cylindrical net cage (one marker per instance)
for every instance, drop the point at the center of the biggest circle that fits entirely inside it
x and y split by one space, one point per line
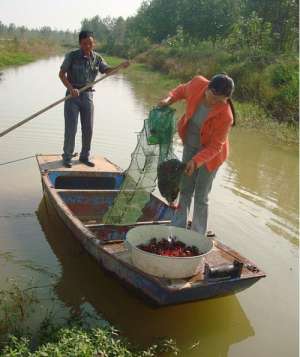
153 147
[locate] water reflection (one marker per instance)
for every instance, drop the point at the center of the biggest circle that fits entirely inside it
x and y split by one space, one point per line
261 174
82 281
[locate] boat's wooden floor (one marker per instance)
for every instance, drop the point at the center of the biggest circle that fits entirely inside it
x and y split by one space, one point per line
219 255
55 163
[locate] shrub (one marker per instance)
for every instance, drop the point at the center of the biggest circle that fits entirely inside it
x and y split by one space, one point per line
73 337
78 342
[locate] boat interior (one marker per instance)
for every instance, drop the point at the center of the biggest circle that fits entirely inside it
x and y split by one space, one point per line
90 192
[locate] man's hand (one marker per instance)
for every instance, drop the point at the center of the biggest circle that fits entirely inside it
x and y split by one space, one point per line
63 77
190 168
74 92
165 102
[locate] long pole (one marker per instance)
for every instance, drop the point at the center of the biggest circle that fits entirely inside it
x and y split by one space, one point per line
26 120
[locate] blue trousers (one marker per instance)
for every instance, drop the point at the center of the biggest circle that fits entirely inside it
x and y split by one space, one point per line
84 106
199 184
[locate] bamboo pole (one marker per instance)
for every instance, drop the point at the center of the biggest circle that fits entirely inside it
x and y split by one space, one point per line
26 120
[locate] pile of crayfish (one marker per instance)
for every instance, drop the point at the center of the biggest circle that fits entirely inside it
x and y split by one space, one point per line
171 247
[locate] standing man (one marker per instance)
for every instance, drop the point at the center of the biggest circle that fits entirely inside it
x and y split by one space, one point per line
79 68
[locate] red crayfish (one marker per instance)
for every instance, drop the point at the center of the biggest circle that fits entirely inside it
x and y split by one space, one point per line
171 247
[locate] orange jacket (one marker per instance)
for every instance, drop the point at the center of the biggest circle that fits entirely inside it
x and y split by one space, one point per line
215 129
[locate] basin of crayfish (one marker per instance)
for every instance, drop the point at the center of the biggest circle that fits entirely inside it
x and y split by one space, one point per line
168 252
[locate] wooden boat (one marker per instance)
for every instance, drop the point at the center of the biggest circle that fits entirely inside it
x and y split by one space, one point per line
82 195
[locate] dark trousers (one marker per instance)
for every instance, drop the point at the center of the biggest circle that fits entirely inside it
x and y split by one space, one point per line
84 106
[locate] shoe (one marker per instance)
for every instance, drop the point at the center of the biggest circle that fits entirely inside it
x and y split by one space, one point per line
87 162
210 234
67 164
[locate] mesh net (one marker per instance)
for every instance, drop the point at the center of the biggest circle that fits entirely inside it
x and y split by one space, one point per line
154 146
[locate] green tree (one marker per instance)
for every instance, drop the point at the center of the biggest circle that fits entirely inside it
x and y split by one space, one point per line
209 19
97 26
284 18
251 32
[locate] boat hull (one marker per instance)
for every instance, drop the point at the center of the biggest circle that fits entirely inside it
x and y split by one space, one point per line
152 289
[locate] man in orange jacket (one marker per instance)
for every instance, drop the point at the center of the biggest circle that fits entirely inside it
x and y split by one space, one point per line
204 130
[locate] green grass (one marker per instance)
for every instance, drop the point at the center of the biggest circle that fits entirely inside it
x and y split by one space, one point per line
253 117
112 60
13 56
76 341
8 58
155 79
17 52
77 335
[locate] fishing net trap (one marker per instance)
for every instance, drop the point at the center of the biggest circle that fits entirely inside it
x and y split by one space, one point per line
150 158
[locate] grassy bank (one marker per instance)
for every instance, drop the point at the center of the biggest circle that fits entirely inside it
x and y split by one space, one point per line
77 335
251 114
16 52
252 117
112 60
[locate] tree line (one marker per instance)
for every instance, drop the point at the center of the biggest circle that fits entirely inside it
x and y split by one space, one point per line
269 25
13 32
255 41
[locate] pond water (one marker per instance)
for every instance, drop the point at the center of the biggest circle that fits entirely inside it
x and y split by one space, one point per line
253 208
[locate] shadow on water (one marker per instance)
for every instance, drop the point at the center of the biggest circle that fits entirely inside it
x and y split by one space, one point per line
211 326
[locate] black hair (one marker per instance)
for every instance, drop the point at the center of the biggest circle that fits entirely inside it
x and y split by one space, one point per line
85 34
222 84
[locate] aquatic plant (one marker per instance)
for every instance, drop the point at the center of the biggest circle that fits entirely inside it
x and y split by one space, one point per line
74 336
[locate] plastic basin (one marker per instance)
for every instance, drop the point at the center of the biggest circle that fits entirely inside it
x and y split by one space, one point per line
162 266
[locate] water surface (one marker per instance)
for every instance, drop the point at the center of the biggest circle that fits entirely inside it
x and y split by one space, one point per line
253 208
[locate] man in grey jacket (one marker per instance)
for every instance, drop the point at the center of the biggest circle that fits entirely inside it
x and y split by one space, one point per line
79 68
